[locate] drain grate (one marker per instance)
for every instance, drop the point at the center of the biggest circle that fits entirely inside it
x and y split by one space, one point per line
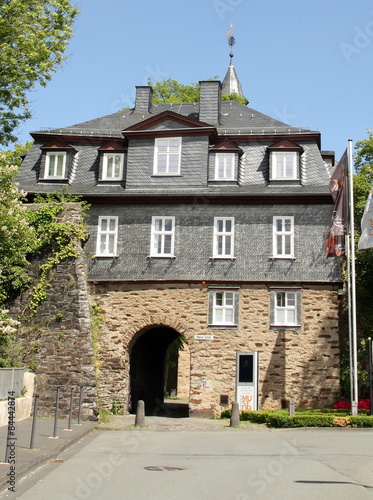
159 468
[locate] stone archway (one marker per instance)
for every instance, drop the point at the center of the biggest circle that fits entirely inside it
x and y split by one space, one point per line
147 368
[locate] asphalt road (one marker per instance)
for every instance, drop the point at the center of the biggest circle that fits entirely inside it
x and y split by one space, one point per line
229 464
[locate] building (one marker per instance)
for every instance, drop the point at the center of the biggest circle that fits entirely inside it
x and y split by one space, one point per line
207 228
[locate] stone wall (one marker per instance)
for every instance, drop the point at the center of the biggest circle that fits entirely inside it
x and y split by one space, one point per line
300 364
57 342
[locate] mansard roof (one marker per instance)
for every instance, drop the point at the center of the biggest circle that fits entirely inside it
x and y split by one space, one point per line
236 119
230 127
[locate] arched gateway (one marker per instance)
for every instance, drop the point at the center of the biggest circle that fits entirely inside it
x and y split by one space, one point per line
154 356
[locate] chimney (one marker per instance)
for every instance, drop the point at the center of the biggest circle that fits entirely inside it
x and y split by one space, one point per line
144 102
210 101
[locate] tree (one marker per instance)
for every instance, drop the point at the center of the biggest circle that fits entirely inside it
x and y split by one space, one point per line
363 183
17 238
33 37
172 91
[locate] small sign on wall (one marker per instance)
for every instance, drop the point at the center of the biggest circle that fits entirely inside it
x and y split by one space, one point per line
206 384
204 337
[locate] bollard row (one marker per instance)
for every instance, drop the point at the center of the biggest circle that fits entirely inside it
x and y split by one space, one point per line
55 424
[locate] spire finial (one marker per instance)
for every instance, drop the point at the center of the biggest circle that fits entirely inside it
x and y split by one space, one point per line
231 40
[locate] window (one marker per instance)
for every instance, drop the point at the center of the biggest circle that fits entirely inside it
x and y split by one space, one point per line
223 307
55 165
224 166
162 237
167 156
107 236
223 237
285 307
112 166
283 237
284 165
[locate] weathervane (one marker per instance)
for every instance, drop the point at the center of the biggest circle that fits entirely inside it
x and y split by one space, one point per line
231 40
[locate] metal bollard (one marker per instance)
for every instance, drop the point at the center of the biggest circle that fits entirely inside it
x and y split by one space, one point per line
291 408
80 403
235 415
56 413
71 409
33 428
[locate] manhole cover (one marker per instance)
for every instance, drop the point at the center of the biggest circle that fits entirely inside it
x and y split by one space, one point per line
159 468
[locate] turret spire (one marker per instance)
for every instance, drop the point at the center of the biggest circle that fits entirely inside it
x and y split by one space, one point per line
231 42
231 84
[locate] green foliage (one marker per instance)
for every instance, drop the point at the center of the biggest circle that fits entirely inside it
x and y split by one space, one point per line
61 238
14 156
24 233
17 238
362 421
303 418
8 330
235 97
33 38
363 183
116 408
173 92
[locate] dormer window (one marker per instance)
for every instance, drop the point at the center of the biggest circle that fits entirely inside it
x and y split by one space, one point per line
56 161
224 166
223 162
284 161
167 156
112 162
55 165
284 165
112 168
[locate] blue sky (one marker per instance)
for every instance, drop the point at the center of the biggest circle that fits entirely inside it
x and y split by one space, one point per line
307 63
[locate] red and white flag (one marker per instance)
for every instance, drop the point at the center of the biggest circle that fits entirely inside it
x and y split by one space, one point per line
366 239
338 185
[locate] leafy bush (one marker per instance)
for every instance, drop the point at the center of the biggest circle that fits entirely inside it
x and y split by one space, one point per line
362 421
304 418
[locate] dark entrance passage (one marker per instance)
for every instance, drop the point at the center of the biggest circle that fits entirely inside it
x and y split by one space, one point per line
148 372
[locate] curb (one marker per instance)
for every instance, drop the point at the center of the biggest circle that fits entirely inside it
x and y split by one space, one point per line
42 460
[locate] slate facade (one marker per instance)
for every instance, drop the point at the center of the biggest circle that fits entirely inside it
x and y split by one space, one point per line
214 200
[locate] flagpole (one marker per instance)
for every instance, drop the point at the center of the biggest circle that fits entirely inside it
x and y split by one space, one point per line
349 308
352 287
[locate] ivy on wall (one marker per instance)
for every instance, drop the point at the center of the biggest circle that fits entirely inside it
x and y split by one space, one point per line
25 234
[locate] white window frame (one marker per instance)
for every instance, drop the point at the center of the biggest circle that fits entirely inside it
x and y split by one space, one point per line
159 235
220 311
165 142
221 158
290 159
105 176
48 164
289 306
222 236
105 234
283 235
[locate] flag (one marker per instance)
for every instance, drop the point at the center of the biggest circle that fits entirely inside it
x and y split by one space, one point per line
338 185
366 239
